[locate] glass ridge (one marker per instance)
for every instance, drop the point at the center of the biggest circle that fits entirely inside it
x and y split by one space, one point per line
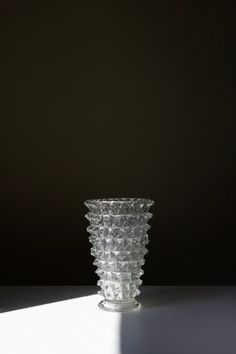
118 234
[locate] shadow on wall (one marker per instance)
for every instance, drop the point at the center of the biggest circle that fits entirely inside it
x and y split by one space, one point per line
181 320
19 297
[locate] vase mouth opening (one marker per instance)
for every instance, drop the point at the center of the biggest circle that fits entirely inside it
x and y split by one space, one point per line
119 200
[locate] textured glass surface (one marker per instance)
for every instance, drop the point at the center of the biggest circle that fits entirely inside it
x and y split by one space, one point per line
118 233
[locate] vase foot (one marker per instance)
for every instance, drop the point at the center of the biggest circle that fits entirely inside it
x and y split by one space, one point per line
112 306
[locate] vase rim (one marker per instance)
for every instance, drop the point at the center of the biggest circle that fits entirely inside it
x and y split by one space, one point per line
119 200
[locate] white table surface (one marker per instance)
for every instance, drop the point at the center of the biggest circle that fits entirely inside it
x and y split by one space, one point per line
173 320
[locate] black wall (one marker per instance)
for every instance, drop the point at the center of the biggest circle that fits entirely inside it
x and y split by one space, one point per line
105 101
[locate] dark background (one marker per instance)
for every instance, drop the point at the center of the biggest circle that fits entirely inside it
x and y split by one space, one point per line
102 100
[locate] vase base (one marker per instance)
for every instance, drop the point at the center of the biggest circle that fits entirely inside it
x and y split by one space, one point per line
111 306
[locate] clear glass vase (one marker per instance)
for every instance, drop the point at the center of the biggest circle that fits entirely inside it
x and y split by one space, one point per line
118 228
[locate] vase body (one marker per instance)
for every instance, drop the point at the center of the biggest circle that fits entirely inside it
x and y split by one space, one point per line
118 233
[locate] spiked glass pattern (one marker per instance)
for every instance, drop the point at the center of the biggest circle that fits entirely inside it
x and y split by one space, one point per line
118 232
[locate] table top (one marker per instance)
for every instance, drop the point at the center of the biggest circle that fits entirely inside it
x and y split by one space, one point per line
66 319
